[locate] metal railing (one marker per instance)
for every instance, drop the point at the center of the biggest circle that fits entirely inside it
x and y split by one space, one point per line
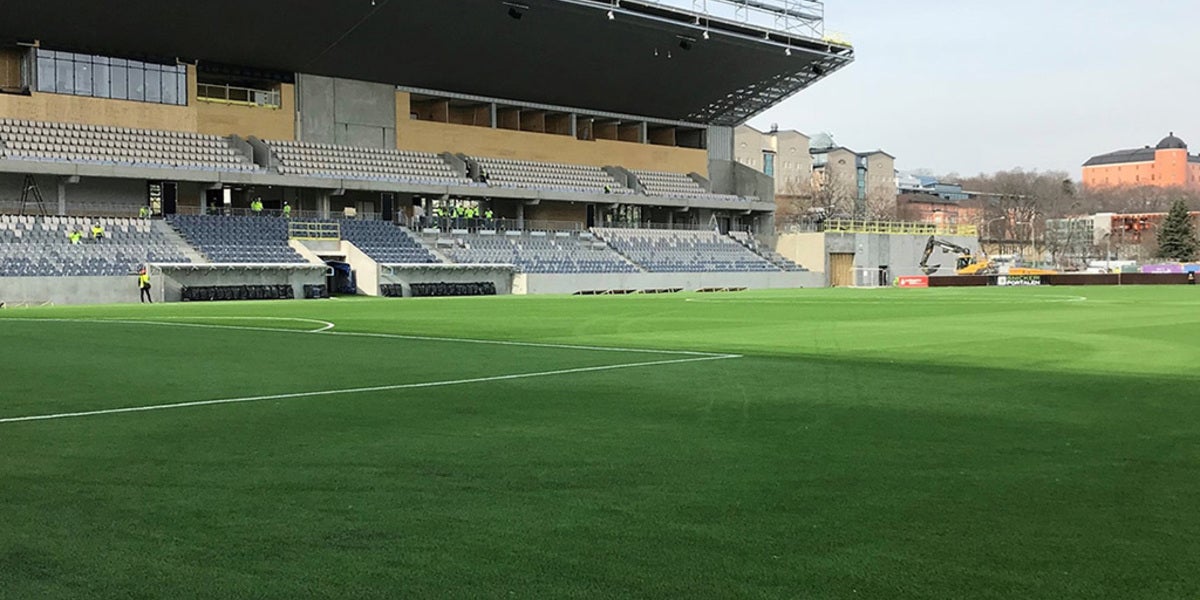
238 96
12 207
896 228
447 224
314 231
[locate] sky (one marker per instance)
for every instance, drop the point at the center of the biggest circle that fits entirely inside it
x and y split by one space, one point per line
971 86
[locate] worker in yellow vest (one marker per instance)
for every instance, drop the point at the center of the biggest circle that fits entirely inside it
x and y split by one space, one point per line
144 285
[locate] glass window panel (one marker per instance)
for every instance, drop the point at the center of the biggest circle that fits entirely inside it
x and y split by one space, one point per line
170 87
64 76
120 80
83 78
137 84
120 62
45 74
102 77
153 84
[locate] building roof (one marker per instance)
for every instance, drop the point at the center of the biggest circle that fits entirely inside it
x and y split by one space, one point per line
1122 156
1171 143
914 197
647 59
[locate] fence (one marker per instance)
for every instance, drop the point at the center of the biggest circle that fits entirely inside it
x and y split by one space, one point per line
885 228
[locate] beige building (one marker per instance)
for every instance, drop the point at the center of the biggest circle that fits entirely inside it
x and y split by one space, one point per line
782 154
814 173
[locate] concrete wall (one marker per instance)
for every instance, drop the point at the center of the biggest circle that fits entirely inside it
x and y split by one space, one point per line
805 249
729 177
900 253
570 284
122 195
344 111
429 136
69 290
366 270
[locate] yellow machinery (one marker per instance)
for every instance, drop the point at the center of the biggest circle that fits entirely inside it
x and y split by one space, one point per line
968 264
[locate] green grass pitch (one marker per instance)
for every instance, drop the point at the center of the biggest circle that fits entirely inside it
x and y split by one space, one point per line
983 443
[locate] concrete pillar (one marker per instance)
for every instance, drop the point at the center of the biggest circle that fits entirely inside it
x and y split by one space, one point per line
492 108
62 196
323 204
521 214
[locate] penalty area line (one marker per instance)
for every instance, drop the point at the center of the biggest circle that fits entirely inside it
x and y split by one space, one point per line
380 388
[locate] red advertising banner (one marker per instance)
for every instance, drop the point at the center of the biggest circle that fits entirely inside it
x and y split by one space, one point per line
918 281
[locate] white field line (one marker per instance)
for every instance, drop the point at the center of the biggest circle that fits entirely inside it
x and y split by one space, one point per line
394 336
325 330
380 388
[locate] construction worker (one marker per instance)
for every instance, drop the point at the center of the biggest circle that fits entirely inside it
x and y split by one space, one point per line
287 210
97 232
76 237
256 206
144 212
144 285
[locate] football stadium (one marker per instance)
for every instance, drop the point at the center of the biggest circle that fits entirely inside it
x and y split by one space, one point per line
470 299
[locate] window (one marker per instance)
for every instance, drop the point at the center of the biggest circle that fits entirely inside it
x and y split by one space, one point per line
104 77
769 163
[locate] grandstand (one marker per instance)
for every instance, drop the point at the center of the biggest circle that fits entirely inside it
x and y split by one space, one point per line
684 251
75 143
385 243
195 127
232 239
537 252
356 162
550 176
39 247
675 185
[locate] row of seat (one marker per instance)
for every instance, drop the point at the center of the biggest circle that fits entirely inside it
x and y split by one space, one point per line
229 239
35 140
536 254
37 246
684 251
73 142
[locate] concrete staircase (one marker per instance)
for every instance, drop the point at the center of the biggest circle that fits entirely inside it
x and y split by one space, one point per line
628 260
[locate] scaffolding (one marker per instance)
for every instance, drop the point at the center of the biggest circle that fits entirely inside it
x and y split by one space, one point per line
803 18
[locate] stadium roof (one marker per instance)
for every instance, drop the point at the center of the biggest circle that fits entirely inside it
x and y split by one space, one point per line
648 59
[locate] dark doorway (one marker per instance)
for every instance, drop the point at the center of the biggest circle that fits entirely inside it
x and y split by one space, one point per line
170 197
388 200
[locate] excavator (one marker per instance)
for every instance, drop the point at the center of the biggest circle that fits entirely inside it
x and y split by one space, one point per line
968 264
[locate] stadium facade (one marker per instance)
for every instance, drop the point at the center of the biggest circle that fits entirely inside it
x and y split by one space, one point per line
576 112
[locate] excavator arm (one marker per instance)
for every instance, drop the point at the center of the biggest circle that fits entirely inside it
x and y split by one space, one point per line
965 256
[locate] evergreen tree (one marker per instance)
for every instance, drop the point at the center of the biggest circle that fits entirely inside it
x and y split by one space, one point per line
1176 237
